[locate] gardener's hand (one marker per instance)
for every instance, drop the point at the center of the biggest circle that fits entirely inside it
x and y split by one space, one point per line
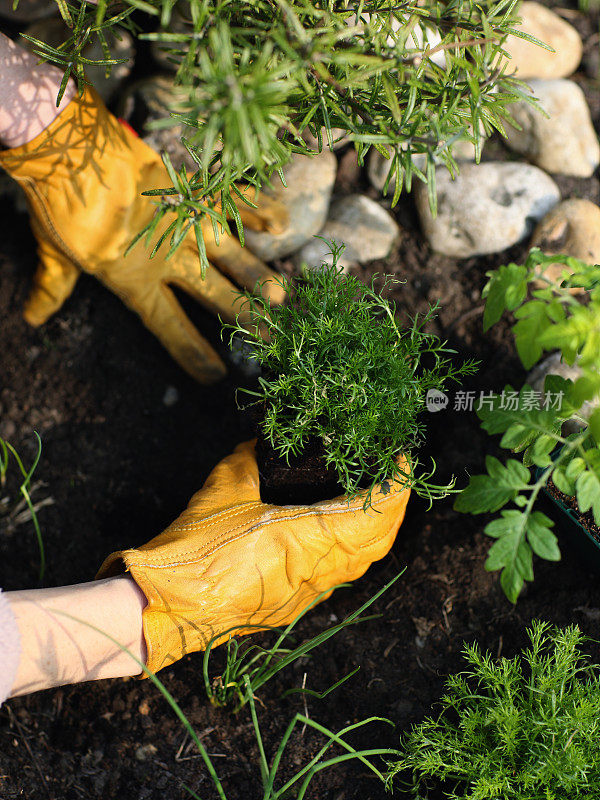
231 561
83 177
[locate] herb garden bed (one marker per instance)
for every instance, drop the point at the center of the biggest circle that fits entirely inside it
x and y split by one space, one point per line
127 438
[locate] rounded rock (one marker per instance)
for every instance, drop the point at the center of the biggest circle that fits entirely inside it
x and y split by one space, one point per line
531 60
366 229
309 182
563 142
571 228
486 208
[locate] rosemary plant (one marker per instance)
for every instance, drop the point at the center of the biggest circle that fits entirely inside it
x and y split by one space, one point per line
526 728
337 367
553 318
406 78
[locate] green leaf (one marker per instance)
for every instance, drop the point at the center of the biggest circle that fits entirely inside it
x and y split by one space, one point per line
543 542
491 492
585 388
588 493
594 425
506 289
540 450
574 468
532 322
562 482
511 553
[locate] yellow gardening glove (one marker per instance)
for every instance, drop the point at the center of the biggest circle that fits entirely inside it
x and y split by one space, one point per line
230 560
83 177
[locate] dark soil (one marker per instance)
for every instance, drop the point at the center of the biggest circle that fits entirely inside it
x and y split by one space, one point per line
302 479
119 464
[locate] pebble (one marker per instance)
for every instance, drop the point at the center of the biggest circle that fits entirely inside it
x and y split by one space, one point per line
309 182
531 60
170 397
53 32
565 142
147 101
366 229
487 208
571 228
145 751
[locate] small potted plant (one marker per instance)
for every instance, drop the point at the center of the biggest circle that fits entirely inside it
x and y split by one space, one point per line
342 390
550 317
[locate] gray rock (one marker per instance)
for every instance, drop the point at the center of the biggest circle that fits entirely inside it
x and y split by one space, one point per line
365 228
309 184
531 60
565 142
487 208
53 32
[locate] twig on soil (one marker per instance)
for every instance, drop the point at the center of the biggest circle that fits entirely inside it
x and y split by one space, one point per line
390 647
472 312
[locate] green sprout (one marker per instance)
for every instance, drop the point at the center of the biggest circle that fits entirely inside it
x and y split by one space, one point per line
6 450
250 666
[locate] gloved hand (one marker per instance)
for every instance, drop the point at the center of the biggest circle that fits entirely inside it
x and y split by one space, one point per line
83 177
230 560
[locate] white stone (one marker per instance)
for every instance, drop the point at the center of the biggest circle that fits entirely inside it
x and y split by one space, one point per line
309 182
531 60
487 208
565 141
366 229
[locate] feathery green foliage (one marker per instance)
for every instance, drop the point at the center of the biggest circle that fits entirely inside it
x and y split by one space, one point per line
551 319
406 78
526 728
337 367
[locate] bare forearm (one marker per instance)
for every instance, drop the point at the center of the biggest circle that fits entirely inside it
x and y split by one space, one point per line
64 633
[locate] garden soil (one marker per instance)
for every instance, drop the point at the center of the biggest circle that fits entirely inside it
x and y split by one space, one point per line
127 438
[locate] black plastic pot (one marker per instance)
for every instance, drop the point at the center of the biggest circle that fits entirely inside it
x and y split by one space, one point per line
575 534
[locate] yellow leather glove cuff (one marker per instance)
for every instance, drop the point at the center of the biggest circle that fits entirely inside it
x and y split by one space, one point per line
83 178
231 561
